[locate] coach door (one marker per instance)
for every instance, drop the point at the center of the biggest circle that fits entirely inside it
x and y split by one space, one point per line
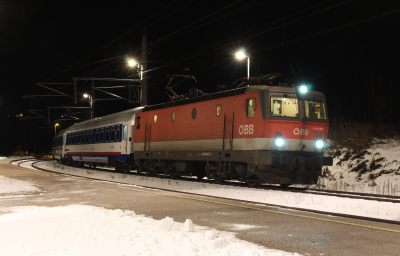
228 130
147 134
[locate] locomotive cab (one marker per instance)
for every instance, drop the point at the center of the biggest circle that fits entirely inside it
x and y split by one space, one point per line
294 128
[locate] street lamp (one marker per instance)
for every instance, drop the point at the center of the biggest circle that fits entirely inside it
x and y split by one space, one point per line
131 63
55 128
241 55
87 97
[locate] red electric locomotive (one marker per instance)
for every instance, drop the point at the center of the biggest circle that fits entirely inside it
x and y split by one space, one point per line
257 133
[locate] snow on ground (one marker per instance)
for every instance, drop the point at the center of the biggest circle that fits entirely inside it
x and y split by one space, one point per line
88 230
27 164
12 186
358 207
2 158
375 170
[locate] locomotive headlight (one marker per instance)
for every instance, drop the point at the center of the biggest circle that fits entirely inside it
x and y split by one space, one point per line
303 89
319 144
278 140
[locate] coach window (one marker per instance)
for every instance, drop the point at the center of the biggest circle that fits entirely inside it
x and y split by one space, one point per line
218 110
173 116
112 133
82 137
194 113
155 119
251 106
91 136
138 122
87 137
101 135
125 132
107 133
117 138
97 136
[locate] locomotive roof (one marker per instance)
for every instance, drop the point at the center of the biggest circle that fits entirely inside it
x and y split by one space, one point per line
228 93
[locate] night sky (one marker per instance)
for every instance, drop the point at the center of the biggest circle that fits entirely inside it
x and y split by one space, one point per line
349 50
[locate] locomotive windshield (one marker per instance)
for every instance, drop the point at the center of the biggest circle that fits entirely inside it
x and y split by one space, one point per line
284 107
315 109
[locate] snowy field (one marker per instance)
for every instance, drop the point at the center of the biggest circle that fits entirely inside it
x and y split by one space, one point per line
358 207
87 230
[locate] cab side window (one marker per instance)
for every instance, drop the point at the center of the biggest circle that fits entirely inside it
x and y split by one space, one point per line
251 106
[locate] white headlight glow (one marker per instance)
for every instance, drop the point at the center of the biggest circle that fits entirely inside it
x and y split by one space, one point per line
303 89
279 142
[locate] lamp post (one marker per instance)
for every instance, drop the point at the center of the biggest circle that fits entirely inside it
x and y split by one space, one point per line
55 128
242 55
87 97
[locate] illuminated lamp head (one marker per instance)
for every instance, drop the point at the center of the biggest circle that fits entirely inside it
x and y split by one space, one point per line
303 89
319 143
278 140
131 63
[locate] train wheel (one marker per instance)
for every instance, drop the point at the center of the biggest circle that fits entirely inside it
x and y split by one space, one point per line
218 180
175 175
119 168
200 176
127 169
253 183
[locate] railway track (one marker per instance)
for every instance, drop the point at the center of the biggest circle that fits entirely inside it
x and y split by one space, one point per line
344 194
352 195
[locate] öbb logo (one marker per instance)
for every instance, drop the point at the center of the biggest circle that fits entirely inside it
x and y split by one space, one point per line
298 131
246 129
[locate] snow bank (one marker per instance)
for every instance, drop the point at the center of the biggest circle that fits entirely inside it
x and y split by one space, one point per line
358 207
87 230
9 186
375 170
